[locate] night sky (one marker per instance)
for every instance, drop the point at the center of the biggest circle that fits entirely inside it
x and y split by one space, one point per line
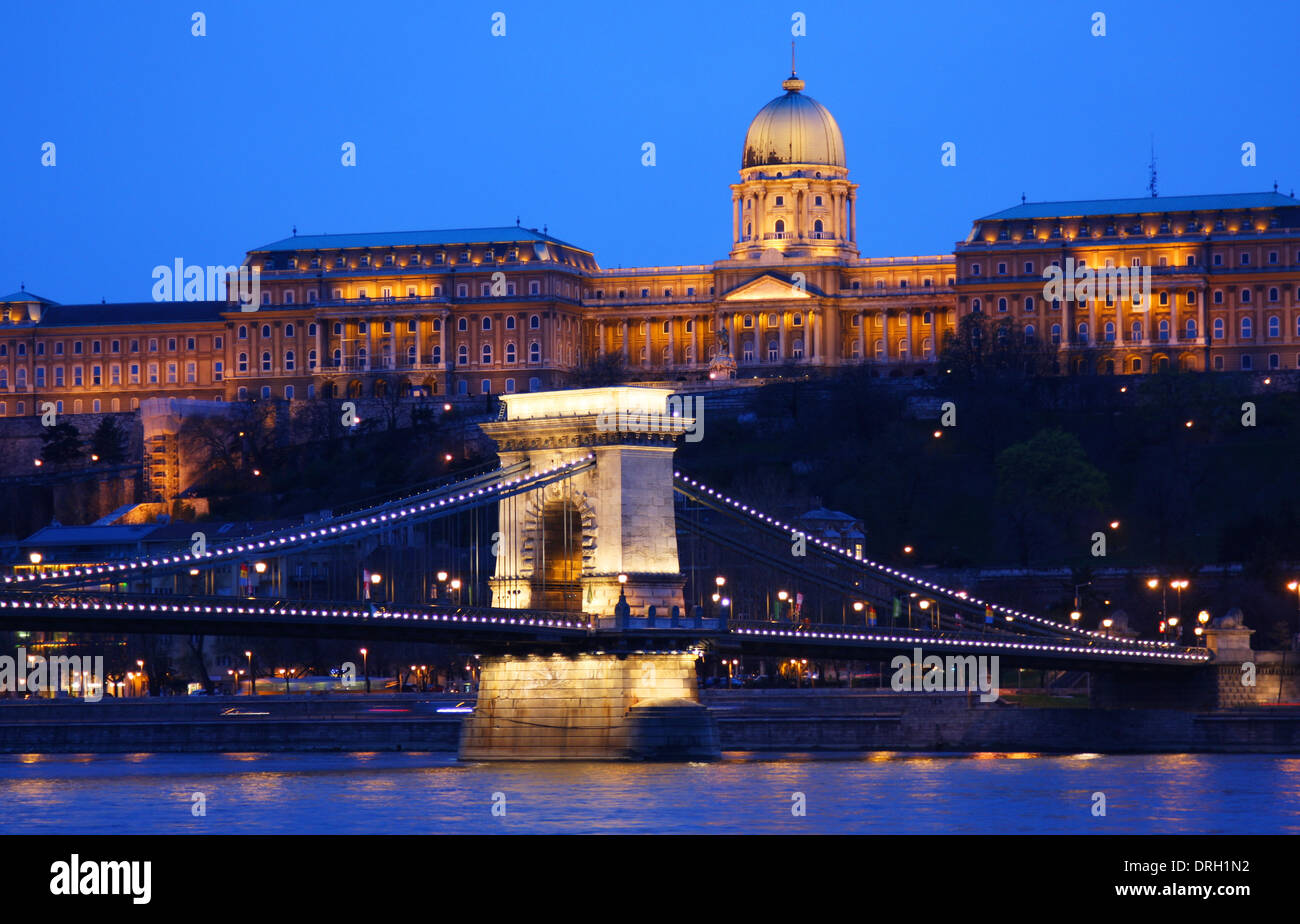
170 145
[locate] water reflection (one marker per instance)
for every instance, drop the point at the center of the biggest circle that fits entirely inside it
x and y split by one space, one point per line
894 792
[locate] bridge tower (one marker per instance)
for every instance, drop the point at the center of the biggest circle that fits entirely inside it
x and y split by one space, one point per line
563 547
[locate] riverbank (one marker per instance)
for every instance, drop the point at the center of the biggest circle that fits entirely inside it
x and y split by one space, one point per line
748 720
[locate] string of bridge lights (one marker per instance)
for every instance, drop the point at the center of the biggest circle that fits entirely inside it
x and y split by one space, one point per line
978 643
368 518
959 595
237 610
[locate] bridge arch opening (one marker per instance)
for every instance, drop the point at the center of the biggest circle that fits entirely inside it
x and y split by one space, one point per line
558 570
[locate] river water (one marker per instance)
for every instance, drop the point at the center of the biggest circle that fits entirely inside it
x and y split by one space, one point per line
386 793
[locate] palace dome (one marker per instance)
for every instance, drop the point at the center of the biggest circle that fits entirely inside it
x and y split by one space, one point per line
793 129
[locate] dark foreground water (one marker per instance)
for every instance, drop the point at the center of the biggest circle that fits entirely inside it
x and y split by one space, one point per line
389 793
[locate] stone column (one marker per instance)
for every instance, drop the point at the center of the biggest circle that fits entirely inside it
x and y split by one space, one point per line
320 347
672 342
735 217
419 341
853 218
647 328
862 336
392 340
884 336
780 330
626 334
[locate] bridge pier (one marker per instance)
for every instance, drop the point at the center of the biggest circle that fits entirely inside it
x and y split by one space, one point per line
589 707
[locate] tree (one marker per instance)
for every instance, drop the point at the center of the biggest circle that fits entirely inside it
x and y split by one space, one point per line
596 370
982 350
1044 485
108 442
61 444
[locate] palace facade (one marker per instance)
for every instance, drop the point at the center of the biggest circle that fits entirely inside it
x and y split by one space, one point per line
500 310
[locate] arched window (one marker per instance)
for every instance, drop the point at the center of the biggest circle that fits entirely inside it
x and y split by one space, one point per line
668 356
796 350
243 332
510 325
1247 329
817 226
879 349
338 358
534 322
1056 333
780 226
748 320
975 305
243 362
510 352
462 324
1029 304
1274 326
773 351
1002 304
487 353
1164 329
288 360
462 355
288 330
1219 332
266 331
927 348
1109 331
534 352
288 392
1136 330
1029 333
436 356
363 355
487 323
410 356
1083 331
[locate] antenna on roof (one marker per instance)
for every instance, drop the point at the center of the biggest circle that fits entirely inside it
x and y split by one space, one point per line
22 287
792 57
1152 166
1275 186
1022 198
516 221
295 230
544 230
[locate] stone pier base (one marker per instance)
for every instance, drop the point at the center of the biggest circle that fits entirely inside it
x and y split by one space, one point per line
589 707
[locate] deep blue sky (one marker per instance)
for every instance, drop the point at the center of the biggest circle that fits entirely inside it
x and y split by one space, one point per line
174 146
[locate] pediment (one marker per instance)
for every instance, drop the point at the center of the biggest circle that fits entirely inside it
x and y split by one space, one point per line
766 288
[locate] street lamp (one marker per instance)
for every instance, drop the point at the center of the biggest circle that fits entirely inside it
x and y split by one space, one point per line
1175 628
455 585
1106 624
252 678
35 558
781 597
259 567
1153 583
365 667
1180 586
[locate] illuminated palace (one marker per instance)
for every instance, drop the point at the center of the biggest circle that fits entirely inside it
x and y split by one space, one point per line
500 310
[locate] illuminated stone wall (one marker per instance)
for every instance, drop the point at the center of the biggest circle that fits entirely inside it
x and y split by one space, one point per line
576 707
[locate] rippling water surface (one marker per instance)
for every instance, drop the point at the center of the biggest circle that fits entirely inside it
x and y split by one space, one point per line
388 793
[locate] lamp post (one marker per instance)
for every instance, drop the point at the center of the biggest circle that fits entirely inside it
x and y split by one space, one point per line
365 667
781 597
442 579
1180 586
252 678
234 679
455 586
1106 624
925 608
1203 619
1153 583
